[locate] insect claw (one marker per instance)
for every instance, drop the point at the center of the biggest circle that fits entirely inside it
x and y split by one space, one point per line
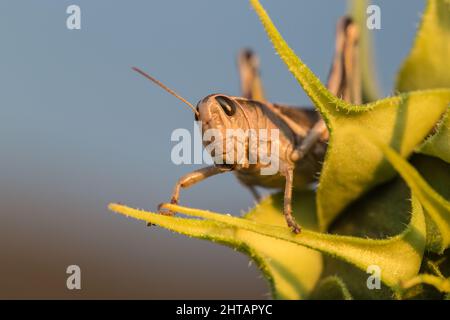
294 226
163 211
159 208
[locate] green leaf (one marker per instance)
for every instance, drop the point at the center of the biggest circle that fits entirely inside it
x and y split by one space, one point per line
291 270
435 204
439 283
436 172
438 144
350 168
295 270
379 214
427 67
331 288
399 257
369 83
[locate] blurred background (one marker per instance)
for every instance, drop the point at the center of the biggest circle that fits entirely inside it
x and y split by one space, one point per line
79 129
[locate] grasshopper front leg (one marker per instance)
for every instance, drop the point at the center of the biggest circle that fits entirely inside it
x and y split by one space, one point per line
287 206
192 178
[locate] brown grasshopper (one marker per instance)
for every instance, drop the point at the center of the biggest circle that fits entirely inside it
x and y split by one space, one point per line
303 133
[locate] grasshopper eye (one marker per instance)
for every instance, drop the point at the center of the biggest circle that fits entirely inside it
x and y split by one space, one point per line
228 105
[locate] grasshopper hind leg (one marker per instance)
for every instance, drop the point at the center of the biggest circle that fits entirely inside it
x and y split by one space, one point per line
344 80
249 74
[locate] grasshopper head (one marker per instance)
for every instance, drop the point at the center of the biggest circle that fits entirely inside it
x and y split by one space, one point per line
218 113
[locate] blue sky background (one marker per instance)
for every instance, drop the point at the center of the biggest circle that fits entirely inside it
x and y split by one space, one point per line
79 129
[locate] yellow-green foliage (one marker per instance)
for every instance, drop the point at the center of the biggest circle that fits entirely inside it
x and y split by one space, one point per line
351 222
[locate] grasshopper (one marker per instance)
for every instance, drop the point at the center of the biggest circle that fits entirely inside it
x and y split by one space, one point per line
303 133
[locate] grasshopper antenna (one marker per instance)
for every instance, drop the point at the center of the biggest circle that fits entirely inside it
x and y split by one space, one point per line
176 95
